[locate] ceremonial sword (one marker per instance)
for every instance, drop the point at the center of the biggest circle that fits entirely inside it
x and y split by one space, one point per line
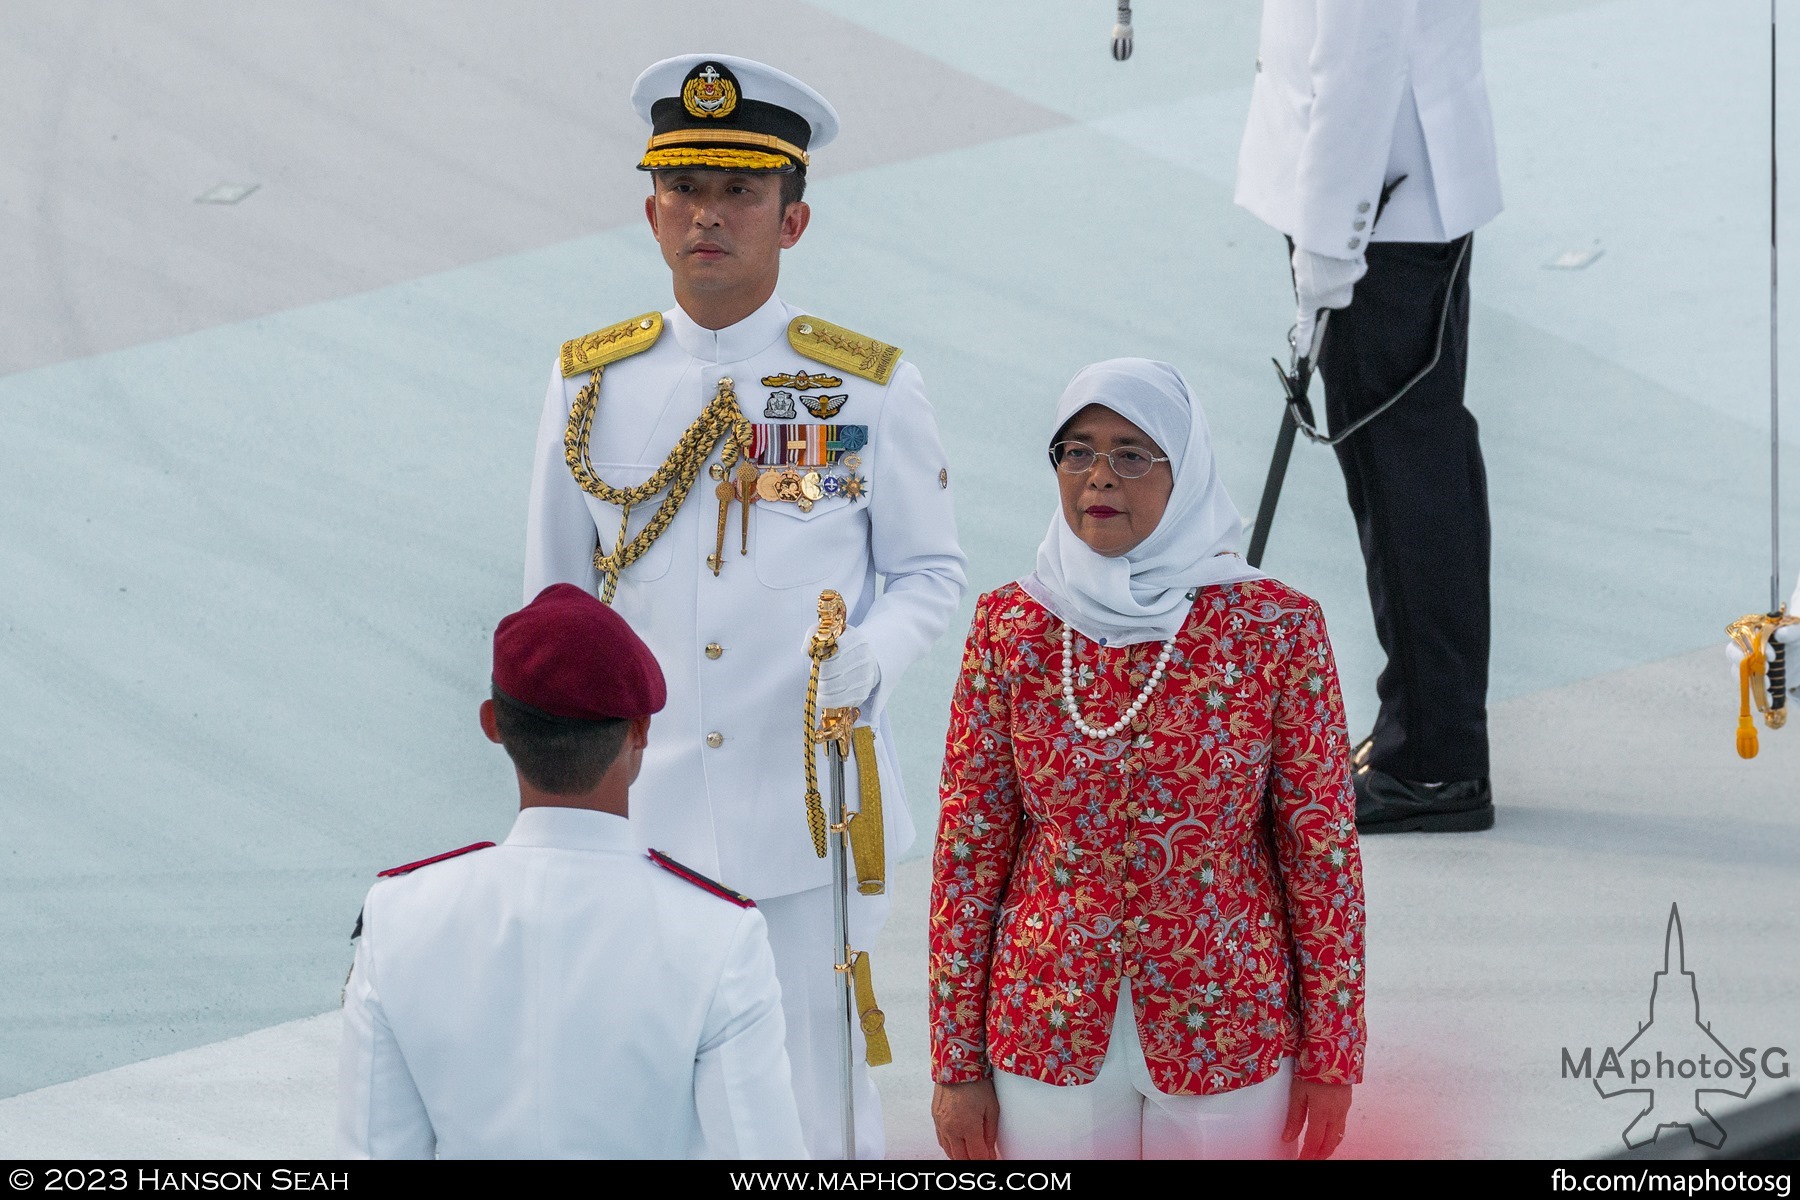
1296 379
847 833
1765 656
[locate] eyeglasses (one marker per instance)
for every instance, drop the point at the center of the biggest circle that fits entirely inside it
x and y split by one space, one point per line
1127 462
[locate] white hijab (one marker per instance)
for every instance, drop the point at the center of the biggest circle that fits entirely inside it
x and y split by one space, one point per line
1142 596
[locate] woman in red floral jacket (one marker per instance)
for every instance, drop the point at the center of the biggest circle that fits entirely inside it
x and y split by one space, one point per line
1147 907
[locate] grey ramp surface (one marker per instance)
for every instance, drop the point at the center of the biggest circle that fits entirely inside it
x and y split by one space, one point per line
1488 955
389 140
268 1094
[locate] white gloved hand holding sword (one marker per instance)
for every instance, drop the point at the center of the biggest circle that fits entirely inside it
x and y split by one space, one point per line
848 678
1320 282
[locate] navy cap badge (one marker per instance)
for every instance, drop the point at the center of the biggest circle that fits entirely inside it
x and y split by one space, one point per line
710 90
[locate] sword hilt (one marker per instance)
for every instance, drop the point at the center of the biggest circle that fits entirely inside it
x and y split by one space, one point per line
833 618
1777 714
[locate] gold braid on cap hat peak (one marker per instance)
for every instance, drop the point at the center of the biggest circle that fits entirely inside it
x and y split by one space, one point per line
721 421
684 139
728 160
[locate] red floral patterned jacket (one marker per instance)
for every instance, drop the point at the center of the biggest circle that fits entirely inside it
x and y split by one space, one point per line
1208 852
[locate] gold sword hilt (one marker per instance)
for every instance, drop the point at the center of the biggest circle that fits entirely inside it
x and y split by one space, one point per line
1752 633
834 723
834 618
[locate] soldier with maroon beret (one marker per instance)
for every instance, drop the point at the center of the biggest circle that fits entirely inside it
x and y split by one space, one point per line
564 994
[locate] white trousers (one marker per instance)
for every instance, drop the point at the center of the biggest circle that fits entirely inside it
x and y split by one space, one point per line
803 937
1120 1114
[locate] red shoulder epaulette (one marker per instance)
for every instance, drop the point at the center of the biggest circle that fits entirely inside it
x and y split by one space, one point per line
436 858
700 881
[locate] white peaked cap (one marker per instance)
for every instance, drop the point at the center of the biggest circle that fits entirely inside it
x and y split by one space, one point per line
756 82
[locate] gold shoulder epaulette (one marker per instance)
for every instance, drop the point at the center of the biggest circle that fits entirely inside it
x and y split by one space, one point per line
842 348
611 344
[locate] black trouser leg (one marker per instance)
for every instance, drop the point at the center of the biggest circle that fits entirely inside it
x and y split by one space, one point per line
1418 491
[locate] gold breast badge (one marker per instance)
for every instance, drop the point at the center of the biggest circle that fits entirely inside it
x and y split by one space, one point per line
825 407
800 381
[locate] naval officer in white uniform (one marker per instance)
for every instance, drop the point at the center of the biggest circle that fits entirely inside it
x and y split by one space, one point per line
1370 144
564 994
711 514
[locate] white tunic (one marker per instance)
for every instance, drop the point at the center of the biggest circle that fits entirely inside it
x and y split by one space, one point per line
1351 94
561 996
723 775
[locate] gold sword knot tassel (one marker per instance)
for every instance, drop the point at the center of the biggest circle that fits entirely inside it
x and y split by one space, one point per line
834 726
1751 633
866 830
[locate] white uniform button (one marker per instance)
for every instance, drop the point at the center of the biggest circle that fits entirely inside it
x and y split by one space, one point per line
1355 242
1363 207
715 739
713 649
1359 225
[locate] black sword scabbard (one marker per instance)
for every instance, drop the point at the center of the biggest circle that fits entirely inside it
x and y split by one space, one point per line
1265 511
1296 408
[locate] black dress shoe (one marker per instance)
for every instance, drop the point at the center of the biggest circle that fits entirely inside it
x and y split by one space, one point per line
1385 804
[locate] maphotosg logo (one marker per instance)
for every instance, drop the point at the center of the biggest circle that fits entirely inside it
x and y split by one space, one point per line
1674 1061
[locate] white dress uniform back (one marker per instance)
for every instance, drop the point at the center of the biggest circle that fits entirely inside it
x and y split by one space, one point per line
562 996
565 994
1351 94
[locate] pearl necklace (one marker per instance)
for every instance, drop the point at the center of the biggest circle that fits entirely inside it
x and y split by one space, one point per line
1074 709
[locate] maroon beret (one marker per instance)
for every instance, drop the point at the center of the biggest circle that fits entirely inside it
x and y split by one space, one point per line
567 655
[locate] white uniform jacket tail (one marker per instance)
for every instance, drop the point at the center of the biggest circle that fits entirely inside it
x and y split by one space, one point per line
725 761
562 996
1352 94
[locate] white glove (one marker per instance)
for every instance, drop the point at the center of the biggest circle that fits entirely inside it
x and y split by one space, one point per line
848 678
1320 282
